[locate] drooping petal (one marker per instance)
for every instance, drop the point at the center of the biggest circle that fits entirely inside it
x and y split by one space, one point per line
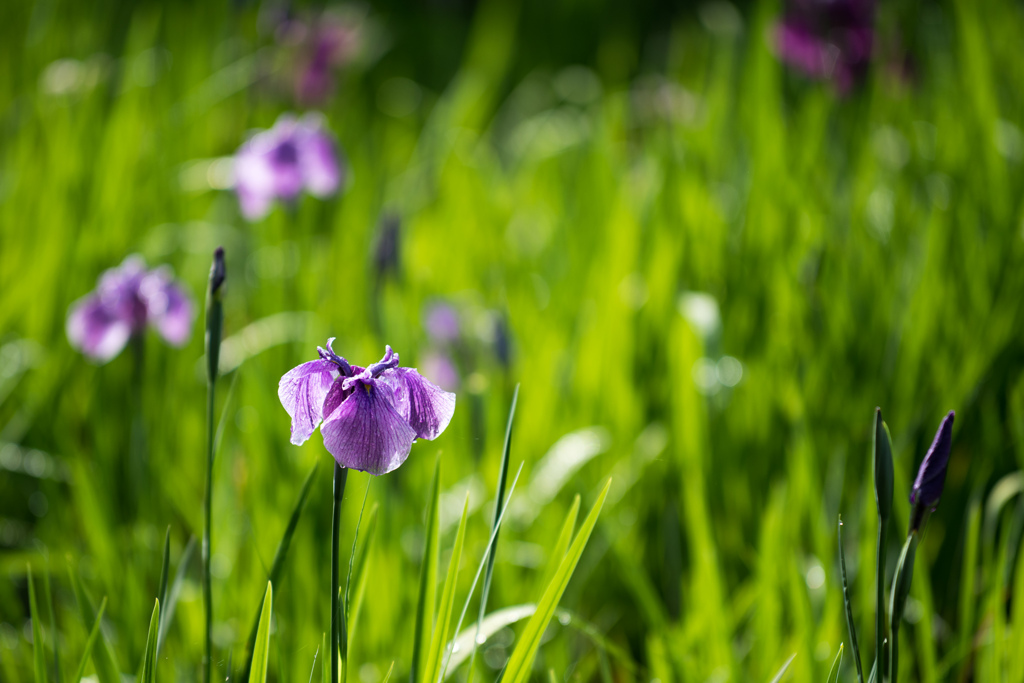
168 308
425 406
95 330
366 433
303 391
254 182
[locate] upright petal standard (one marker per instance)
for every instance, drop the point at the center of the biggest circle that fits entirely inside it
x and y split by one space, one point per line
126 300
369 417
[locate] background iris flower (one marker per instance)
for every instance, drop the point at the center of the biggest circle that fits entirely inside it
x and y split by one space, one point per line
370 416
126 300
295 155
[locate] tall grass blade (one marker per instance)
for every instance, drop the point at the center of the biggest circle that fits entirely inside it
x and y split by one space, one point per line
167 608
313 669
849 608
562 544
520 663
38 646
149 659
499 504
261 651
387 676
785 667
107 669
47 589
883 475
422 629
479 570
325 662
90 642
165 569
833 675
432 670
277 566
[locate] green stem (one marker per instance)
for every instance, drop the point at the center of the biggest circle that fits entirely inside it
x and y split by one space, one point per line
340 475
207 510
900 591
880 620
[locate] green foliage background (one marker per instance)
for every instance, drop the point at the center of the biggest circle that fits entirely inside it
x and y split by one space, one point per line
862 250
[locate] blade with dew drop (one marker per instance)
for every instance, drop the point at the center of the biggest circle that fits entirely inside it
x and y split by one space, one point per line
432 670
90 642
521 661
833 675
428 583
149 659
849 608
313 669
38 646
261 647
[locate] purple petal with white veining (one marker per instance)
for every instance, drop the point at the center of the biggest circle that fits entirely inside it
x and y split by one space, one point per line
303 391
425 406
95 330
366 433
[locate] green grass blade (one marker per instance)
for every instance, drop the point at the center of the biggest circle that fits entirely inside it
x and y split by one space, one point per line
261 651
149 659
499 505
438 642
785 667
562 544
849 608
165 570
167 608
38 647
422 630
90 642
519 665
107 669
277 566
47 589
325 662
833 675
387 676
313 669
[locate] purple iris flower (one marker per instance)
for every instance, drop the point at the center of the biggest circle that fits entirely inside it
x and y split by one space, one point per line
828 39
126 300
931 476
369 417
295 155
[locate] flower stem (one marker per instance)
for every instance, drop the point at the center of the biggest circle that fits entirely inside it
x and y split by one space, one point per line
880 616
214 328
340 475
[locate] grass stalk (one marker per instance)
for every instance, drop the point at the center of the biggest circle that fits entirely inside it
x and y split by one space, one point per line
340 475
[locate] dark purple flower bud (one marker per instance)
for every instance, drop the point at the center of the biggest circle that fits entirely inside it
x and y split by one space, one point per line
386 251
218 272
278 164
931 475
369 417
126 300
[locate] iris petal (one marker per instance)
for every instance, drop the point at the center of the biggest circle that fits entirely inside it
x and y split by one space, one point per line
303 391
366 433
95 330
425 406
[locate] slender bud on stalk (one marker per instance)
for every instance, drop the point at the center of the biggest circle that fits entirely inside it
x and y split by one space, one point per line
214 328
931 476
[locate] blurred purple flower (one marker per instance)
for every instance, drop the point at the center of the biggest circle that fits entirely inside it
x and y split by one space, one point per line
442 368
441 321
294 155
931 475
370 416
127 299
828 39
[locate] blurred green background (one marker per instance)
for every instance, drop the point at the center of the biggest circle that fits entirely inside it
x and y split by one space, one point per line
708 271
